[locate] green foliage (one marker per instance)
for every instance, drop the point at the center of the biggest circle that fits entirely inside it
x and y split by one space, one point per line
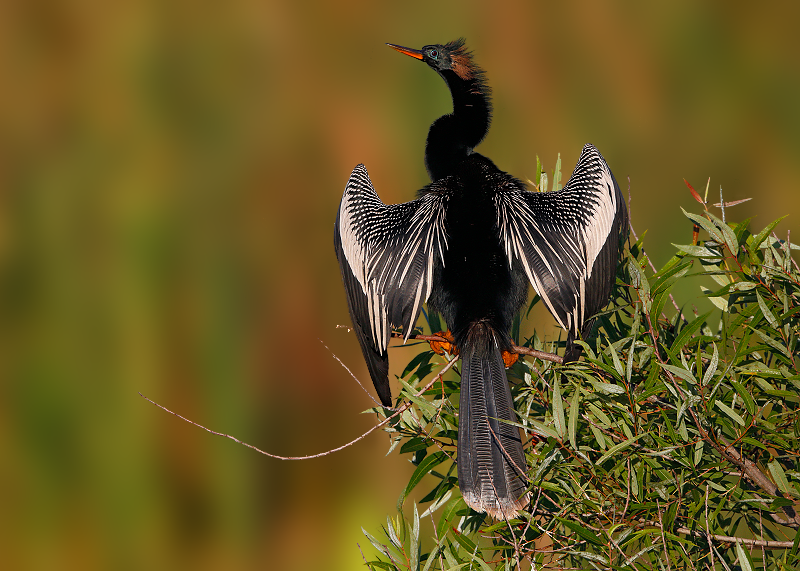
675 435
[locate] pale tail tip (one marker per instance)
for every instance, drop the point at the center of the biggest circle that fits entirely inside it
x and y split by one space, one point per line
500 509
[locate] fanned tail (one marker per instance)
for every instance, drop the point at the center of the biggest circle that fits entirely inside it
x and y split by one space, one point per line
491 463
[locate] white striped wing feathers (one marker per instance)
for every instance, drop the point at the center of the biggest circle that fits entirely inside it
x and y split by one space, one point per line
391 250
559 236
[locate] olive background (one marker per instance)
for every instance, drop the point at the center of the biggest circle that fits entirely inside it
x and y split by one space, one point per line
169 177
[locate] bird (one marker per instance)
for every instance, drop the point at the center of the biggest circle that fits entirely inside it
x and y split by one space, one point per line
469 246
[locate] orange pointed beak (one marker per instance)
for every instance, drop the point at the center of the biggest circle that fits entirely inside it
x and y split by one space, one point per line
416 54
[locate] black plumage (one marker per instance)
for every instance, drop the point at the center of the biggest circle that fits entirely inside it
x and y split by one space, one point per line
469 245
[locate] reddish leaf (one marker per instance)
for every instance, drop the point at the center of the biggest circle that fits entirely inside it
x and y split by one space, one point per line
694 192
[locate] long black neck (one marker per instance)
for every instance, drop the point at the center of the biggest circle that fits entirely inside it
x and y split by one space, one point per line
452 137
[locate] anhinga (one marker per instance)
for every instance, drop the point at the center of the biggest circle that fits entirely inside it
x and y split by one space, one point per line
469 245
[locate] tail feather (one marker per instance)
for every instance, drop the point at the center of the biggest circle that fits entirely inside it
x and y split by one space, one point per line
491 463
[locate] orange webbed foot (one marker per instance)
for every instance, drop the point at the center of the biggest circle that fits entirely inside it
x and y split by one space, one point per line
509 358
440 347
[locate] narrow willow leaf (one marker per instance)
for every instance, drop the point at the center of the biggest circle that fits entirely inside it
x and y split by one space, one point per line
730 412
682 430
720 302
698 452
730 237
757 240
395 442
632 350
712 366
615 357
437 504
480 561
544 430
573 418
772 343
747 398
393 534
598 435
608 388
766 311
591 557
558 409
465 542
557 174
635 272
743 286
629 562
697 251
618 447
679 372
776 470
427 464
601 416
707 225
744 558
375 543
686 333
449 515
586 534
415 541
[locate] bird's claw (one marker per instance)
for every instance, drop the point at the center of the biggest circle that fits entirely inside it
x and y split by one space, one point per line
442 347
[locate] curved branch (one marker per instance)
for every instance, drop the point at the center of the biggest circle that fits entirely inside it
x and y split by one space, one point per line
397 411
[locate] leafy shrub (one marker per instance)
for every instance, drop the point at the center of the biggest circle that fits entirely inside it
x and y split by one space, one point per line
673 444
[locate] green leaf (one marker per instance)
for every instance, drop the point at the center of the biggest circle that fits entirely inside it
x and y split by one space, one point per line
608 388
619 447
776 470
617 364
712 366
427 464
757 240
730 412
772 342
375 543
680 372
449 514
414 559
558 409
720 302
465 542
697 251
749 404
586 534
557 174
765 310
437 503
730 237
707 225
687 332
573 418
744 558
545 430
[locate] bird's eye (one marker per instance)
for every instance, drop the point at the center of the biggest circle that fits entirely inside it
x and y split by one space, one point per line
434 54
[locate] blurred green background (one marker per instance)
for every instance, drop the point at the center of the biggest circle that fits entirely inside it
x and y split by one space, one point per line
169 177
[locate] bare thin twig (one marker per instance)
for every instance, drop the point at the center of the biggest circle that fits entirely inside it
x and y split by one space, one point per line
399 410
351 374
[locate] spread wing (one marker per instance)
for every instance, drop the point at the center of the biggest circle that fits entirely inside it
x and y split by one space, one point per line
387 255
568 241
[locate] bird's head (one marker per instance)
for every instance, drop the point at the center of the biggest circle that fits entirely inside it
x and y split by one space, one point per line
452 56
